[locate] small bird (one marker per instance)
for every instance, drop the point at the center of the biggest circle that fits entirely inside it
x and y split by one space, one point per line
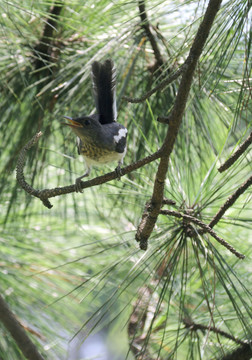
101 139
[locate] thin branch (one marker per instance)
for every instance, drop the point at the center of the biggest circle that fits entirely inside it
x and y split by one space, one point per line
204 226
160 86
168 202
189 324
17 332
159 60
45 194
230 201
147 28
243 352
149 218
20 171
43 50
241 149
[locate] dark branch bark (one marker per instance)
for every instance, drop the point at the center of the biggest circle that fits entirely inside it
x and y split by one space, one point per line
147 223
45 194
43 50
205 227
242 148
20 171
230 201
194 327
243 352
147 28
168 202
17 332
159 60
159 87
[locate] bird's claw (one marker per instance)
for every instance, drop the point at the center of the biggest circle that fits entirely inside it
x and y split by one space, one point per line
78 187
118 171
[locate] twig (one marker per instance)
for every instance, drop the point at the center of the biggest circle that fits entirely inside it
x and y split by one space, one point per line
147 28
20 171
230 201
241 149
194 327
160 86
17 332
206 227
149 219
45 194
43 49
168 202
159 59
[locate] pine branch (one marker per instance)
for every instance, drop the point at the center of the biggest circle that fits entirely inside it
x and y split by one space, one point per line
242 148
149 218
18 333
243 352
159 59
189 324
147 28
230 201
43 50
205 227
20 171
159 87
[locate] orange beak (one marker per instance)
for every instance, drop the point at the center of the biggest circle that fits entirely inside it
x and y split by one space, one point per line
73 123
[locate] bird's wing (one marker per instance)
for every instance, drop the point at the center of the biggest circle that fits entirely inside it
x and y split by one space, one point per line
114 137
104 86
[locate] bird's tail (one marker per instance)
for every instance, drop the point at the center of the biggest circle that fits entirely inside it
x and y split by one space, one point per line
104 86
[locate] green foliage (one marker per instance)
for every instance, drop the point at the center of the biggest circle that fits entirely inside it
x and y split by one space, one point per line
77 268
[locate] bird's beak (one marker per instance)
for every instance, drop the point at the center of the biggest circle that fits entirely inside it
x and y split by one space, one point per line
73 123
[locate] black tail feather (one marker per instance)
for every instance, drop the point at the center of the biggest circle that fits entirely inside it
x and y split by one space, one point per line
104 84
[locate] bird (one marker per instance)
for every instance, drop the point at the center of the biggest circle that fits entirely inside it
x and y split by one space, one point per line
100 138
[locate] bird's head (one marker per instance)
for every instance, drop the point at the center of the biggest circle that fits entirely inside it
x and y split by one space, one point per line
86 127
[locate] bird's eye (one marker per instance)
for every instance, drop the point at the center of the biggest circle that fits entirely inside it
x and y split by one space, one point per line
87 122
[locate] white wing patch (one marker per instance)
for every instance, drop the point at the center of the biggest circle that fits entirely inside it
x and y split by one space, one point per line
121 134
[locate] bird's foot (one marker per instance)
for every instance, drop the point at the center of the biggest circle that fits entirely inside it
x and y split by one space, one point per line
78 187
118 172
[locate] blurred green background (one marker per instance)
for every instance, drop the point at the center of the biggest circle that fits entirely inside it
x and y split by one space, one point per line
76 269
